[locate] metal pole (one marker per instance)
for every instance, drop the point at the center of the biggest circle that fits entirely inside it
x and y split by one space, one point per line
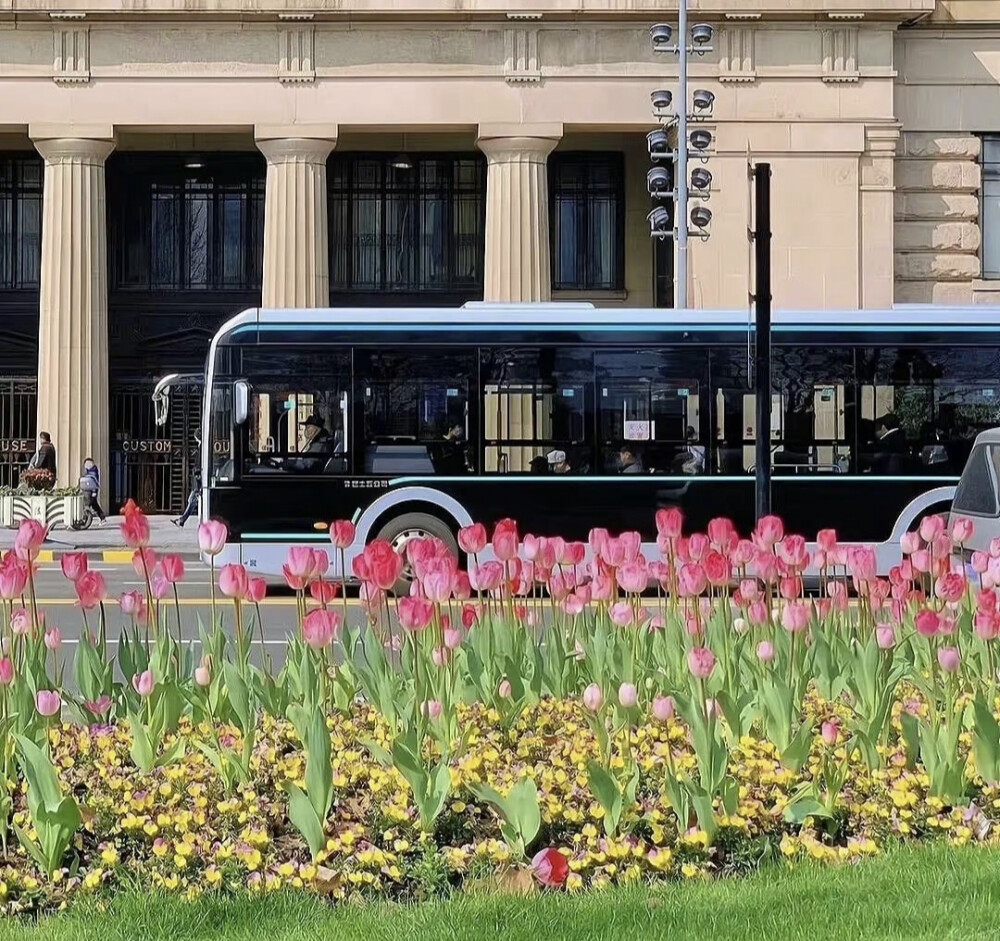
762 333
681 219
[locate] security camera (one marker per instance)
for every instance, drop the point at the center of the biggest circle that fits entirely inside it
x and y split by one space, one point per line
658 181
659 223
701 216
658 143
661 99
701 34
701 179
703 99
700 139
660 35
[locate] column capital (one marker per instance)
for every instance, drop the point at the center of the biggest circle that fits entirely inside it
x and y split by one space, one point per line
296 150
82 150
531 143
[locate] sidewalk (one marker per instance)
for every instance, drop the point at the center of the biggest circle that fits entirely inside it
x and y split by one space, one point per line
107 540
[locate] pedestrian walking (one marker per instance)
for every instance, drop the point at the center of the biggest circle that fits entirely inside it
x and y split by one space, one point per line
192 503
45 457
90 484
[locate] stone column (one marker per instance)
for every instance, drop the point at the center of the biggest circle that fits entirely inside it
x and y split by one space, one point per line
517 211
73 313
296 253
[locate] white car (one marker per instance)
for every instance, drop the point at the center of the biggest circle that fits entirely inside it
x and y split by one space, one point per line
977 496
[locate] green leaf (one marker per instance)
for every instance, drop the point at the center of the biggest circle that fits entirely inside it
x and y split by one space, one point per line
141 750
378 753
524 810
794 754
39 772
239 696
319 769
911 737
797 811
174 753
986 741
608 793
302 815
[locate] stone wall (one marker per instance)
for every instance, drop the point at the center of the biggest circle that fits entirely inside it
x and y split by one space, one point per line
937 233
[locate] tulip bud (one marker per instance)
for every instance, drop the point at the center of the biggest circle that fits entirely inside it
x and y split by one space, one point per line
202 676
830 730
765 651
627 695
593 697
663 708
504 691
431 709
6 671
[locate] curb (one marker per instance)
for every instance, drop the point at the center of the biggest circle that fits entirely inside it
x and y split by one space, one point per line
107 556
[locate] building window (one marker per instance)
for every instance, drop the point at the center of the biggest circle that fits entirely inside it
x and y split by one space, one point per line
417 229
180 224
989 208
20 221
587 197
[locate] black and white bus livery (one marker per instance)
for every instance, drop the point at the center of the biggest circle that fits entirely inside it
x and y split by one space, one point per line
565 417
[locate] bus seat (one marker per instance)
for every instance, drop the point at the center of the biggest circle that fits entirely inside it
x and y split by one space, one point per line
395 459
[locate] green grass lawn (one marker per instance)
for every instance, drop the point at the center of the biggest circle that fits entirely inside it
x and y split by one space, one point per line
932 893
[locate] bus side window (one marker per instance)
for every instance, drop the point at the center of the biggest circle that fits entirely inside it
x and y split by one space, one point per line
536 410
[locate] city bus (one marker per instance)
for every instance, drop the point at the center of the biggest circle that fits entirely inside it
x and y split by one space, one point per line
415 422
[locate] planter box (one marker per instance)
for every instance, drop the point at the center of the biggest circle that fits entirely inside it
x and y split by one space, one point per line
52 511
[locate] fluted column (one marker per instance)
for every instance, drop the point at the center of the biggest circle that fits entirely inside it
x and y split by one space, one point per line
296 256
73 313
517 212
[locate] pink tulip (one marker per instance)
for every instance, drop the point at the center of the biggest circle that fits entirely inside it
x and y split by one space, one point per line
212 536
663 708
765 651
986 625
950 587
628 695
621 614
633 577
486 577
472 539
143 561
829 731
135 530
440 656
384 564
505 540
233 581
692 579
452 638
100 706
931 526
53 638
593 698
143 683
320 627
159 586
437 587
769 531
202 675
20 621
921 560
910 542
132 603
91 590
669 522
172 566
795 617
301 563
792 551
73 565
323 592
431 709
6 671
697 546
927 622
415 613
550 868
28 541
342 533
885 636
505 690
721 532
826 539
321 562
13 578
980 562
572 554
701 662
47 702
949 659
717 569
962 529
995 547
256 589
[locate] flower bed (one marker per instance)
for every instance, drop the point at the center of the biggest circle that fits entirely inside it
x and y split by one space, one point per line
543 719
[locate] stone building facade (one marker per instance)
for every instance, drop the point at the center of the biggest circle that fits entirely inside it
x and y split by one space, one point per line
165 162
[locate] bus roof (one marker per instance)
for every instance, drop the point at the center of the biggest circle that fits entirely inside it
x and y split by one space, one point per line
491 316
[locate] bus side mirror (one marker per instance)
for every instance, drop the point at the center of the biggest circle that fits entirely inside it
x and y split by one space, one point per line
241 401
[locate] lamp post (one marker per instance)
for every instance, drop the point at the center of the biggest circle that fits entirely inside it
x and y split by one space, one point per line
698 43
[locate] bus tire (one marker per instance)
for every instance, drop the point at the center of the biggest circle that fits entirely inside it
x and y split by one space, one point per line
401 529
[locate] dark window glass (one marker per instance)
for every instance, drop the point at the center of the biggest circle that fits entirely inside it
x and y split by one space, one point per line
416 415
407 230
587 205
922 407
20 221
184 224
537 405
299 411
989 207
977 490
812 411
649 411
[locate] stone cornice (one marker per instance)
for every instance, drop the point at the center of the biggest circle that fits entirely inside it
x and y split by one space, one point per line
317 10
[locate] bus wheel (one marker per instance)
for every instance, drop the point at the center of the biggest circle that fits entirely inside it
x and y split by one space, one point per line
399 531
